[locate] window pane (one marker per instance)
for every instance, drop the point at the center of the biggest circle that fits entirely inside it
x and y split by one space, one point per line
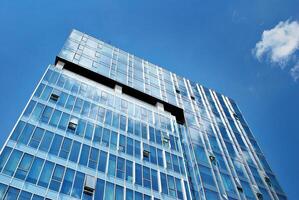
78 185
24 166
75 151
56 145
12 163
99 193
84 155
102 161
68 181
112 165
46 141
26 134
46 174
119 192
4 156
17 131
109 191
35 170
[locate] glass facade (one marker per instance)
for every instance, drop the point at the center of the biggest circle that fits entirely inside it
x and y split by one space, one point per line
98 126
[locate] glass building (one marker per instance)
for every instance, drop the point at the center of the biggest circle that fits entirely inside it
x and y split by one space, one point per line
105 124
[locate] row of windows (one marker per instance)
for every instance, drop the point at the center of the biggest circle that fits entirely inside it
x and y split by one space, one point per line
66 148
70 182
105 116
16 194
104 98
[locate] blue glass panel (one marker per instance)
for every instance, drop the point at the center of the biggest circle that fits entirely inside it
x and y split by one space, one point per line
26 134
46 174
119 192
75 151
46 141
154 177
17 131
84 155
56 145
12 163
109 191
102 161
112 165
78 185
164 183
138 174
35 170
24 166
129 194
36 137
55 118
57 178
67 182
99 193
12 193
4 156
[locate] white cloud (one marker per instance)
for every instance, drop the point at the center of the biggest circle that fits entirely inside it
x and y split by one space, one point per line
295 72
279 43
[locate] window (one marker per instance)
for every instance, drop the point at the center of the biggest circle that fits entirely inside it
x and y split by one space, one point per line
99 193
137 148
138 174
67 182
146 177
46 174
171 186
35 170
89 131
153 155
64 121
122 143
57 178
73 124
24 166
160 158
168 161
109 191
78 185
113 140
54 97
75 151
89 184
112 165
26 134
120 172
56 145
179 188
55 118
106 137
130 146
65 148
12 163
16 133
129 171
4 156
146 152
84 155
154 177
80 128
97 134
102 161
164 183
93 158
36 137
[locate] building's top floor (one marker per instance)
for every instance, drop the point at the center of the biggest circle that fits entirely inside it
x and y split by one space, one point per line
85 54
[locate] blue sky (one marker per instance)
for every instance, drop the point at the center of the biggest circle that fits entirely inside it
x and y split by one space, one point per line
211 42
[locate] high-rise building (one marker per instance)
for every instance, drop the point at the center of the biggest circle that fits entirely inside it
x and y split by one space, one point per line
105 124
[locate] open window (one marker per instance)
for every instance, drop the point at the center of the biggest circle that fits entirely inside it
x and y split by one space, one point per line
146 153
239 186
89 185
73 123
54 97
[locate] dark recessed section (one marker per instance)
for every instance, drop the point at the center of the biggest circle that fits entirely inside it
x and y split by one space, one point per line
174 110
